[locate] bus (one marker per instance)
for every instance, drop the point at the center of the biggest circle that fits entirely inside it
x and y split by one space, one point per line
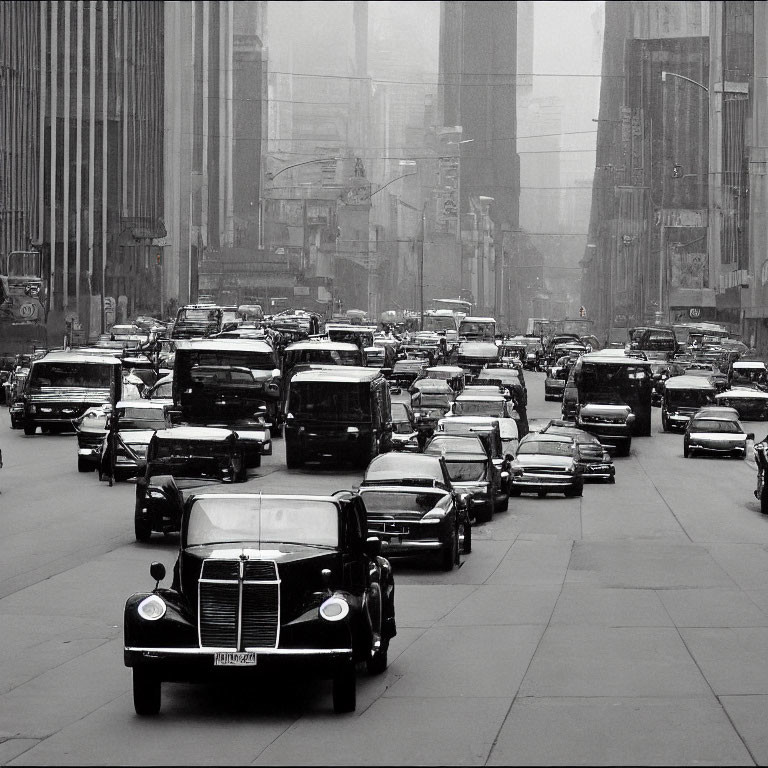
612 376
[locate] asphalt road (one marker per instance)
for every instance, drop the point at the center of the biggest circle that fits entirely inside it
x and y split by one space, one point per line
628 626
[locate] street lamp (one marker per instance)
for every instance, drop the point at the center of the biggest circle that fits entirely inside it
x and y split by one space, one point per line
675 174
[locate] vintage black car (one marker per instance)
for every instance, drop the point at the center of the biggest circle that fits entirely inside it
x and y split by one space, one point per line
263 581
178 459
595 462
547 464
414 509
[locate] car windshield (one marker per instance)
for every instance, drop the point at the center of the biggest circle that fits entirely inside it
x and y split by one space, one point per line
323 357
715 425
467 445
435 401
396 466
439 323
466 471
330 400
692 398
141 418
188 449
402 501
89 375
263 519
399 413
479 408
163 390
548 447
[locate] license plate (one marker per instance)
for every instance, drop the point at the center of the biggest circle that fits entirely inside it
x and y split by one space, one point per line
235 659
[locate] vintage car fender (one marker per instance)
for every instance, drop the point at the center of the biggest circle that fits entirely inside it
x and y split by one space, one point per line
176 629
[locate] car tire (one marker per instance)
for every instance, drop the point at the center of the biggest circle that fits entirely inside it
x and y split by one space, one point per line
345 689
465 534
257 462
293 455
686 451
83 465
487 513
15 423
625 448
542 494
449 554
764 500
377 663
504 505
142 527
577 489
664 423
147 696
29 429
514 491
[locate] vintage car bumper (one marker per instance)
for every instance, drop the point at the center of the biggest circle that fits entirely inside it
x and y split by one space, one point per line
411 536
552 388
608 433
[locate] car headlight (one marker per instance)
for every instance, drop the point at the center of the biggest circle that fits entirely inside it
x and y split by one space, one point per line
152 608
334 609
352 430
571 468
434 514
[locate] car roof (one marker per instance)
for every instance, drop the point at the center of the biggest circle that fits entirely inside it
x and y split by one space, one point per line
194 433
464 398
689 382
338 373
415 465
740 393
749 364
225 345
450 370
78 358
723 411
613 359
575 432
433 386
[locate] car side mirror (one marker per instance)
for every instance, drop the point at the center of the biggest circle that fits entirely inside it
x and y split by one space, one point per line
373 546
157 572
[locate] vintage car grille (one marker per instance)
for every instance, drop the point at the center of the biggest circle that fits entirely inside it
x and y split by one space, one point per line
239 604
543 471
604 419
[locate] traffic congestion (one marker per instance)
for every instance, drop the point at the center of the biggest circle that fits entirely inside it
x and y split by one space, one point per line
435 426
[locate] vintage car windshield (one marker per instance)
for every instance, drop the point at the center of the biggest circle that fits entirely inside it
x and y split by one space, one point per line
749 376
466 471
396 466
436 401
479 408
402 501
715 425
163 390
400 413
141 418
330 400
260 361
439 323
690 397
89 375
548 448
267 520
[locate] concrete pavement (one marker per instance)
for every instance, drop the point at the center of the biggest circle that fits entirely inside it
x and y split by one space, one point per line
626 627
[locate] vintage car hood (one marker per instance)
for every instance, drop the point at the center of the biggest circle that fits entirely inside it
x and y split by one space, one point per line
280 553
544 460
600 409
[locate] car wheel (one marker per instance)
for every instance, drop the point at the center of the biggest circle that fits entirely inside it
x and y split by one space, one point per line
514 491
541 494
345 689
625 448
242 475
487 512
257 462
83 465
14 423
577 489
142 526
686 451
377 662
465 536
764 500
449 554
293 455
146 692
29 429
664 423
504 505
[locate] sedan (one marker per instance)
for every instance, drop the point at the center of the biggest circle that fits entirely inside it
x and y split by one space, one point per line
414 509
595 462
547 464
718 436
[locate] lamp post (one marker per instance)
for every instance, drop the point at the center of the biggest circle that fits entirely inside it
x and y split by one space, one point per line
662 238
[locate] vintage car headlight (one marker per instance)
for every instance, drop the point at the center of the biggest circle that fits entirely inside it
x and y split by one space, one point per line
334 609
435 514
352 430
152 608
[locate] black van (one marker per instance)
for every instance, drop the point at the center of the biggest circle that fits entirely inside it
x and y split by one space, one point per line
342 413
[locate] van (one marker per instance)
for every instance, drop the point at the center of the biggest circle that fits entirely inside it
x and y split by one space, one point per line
340 412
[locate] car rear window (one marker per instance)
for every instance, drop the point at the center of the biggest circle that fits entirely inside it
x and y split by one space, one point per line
715 425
